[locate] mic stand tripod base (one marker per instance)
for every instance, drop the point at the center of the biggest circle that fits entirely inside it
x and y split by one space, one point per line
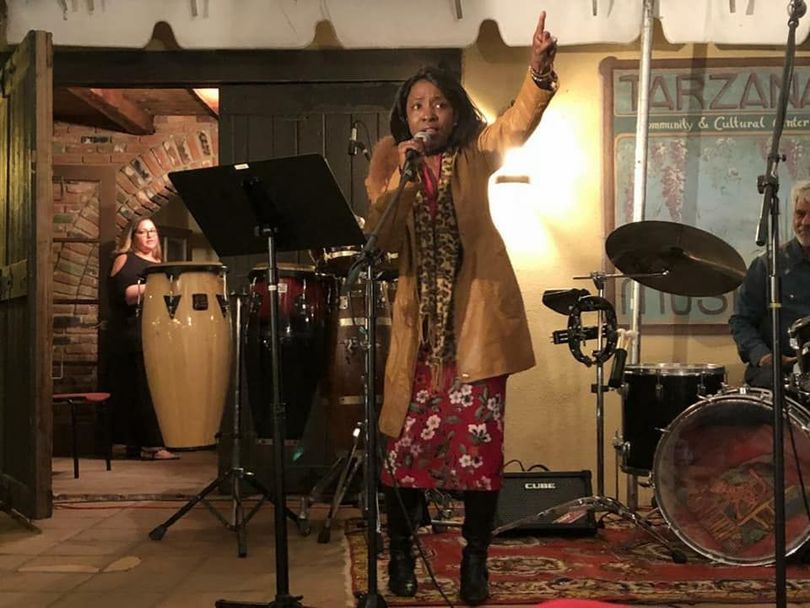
285 601
370 601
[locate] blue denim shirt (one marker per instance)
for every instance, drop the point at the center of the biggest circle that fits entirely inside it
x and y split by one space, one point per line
751 322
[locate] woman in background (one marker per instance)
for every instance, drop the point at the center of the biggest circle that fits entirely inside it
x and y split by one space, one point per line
134 422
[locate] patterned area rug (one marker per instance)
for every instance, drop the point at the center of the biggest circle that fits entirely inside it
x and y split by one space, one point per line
621 563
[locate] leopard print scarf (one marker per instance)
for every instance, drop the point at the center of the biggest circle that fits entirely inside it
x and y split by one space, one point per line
438 255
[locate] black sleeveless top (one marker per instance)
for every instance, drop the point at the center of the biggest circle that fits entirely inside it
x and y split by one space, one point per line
124 329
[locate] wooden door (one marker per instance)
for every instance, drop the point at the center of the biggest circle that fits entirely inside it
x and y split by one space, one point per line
258 122
25 266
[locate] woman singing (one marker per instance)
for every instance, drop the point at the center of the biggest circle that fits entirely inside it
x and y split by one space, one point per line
459 325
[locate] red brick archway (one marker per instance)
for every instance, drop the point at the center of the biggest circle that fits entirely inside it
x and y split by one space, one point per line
143 184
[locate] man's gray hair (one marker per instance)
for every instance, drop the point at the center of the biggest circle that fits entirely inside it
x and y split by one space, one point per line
801 189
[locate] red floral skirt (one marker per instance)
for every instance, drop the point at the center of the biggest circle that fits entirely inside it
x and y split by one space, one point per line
452 438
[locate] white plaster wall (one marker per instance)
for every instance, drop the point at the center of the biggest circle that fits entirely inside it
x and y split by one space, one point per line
551 411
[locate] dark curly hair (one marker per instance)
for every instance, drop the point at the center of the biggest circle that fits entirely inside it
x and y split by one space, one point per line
469 120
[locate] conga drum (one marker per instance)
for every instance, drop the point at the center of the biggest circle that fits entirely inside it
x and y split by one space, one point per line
187 349
347 364
337 261
303 307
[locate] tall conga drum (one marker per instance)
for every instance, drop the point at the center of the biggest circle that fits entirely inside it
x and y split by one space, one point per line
347 365
304 297
187 349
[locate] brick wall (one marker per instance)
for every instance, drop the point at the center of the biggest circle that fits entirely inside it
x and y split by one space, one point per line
142 165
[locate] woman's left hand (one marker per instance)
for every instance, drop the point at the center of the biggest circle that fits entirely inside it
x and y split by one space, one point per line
544 47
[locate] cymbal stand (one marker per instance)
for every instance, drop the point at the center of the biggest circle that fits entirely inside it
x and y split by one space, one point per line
236 474
606 337
599 388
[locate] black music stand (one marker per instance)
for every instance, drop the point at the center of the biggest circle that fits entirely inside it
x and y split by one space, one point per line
284 204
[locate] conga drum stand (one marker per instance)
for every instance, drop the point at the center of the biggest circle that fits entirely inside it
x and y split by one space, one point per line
236 474
283 204
343 471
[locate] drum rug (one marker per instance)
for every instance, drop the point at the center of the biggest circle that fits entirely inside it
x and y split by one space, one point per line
621 563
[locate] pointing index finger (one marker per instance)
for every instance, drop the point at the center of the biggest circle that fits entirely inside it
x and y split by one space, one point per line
541 23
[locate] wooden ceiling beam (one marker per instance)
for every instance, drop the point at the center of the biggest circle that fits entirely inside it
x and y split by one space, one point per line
114 104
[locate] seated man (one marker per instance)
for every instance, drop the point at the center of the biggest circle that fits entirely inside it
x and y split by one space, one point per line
751 322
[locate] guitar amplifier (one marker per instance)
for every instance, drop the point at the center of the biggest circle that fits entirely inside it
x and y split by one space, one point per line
527 493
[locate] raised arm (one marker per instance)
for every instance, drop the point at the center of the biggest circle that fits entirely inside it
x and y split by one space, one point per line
517 123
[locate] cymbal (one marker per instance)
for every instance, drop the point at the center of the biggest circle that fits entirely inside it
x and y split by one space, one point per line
696 262
563 300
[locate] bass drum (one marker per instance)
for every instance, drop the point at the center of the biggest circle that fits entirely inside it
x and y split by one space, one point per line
713 477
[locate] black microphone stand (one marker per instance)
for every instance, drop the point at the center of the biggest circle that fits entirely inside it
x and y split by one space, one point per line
768 186
368 258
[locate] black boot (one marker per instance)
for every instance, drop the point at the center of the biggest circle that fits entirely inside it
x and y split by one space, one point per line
401 576
479 514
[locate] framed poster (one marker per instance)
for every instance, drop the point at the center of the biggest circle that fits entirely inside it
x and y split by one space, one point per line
710 128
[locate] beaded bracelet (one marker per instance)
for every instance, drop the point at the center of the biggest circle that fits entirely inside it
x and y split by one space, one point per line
546 80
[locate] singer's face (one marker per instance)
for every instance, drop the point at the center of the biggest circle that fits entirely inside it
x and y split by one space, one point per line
430 111
801 220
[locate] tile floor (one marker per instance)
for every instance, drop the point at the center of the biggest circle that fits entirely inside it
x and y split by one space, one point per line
97 554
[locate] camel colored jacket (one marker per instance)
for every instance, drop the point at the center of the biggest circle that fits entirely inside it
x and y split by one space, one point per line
492 333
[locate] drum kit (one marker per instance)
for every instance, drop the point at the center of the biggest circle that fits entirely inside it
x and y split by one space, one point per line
706 448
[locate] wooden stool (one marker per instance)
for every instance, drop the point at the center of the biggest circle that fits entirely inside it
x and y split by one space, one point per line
75 399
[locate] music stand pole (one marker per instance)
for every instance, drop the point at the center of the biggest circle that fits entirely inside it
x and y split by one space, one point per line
283 597
267 227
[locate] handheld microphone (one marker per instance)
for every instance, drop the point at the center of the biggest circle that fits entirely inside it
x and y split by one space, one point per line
798 8
353 141
412 154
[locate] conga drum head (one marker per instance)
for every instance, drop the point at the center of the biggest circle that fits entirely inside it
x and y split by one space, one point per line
337 260
713 477
178 268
